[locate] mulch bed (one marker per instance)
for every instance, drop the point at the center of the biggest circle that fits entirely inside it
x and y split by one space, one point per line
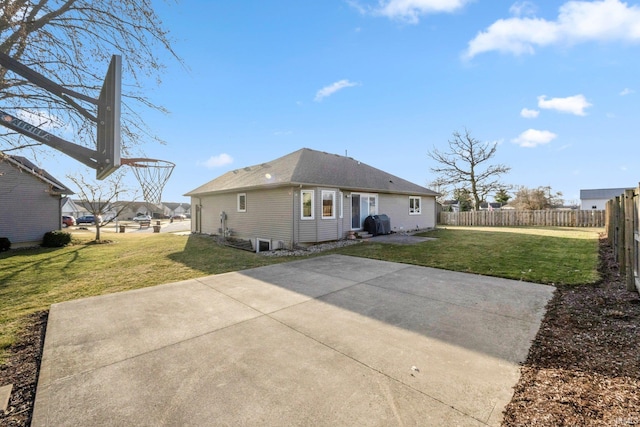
583 368
21 370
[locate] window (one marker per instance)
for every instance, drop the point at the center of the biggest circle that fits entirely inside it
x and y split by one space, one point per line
414 205
340 196
306 204
328 204
242 202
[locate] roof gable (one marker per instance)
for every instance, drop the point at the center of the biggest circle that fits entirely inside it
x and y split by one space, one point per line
24 164
311 167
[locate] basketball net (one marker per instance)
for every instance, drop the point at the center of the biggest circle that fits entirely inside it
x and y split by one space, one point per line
152 175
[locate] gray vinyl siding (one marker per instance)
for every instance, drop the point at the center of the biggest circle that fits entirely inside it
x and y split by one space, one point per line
27 208
268 215
396 206
317 229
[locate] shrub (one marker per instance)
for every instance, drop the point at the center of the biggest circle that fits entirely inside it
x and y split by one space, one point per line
56 239
5 244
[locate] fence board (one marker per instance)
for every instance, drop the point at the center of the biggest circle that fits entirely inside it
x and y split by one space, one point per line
622 219
511 218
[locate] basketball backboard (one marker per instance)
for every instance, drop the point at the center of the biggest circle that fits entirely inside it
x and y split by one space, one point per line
108 136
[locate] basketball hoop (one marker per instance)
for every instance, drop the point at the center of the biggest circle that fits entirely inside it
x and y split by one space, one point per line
152 175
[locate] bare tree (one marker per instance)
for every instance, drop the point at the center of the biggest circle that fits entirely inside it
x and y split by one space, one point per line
537 198
71 42
464 166
100 198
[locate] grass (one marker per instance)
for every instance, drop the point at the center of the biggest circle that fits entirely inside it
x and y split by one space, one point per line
541 255
31 280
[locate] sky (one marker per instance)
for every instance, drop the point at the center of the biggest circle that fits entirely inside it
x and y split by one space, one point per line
555 84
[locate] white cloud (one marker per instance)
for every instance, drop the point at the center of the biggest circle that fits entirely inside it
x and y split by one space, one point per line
578 21
523 8
333 88
219 160
410 10
531 138
42 119
626 91
572 104
529 114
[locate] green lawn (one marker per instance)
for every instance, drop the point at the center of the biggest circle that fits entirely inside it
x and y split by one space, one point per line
541 255
31 280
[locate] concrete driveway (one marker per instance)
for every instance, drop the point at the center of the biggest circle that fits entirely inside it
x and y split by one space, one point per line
332 340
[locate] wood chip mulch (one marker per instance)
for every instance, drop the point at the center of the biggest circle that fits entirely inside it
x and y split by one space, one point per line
583 368
21 370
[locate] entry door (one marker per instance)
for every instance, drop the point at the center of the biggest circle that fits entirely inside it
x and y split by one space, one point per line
362 205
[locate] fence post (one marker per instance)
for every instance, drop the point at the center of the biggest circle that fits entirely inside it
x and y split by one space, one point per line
628 239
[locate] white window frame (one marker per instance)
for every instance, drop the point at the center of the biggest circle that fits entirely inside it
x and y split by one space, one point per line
241 195
313 204
412 209
341 211
333 204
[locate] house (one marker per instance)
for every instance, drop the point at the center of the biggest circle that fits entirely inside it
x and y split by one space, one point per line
307 197
597 198
30 201
490 206
70 208
172 209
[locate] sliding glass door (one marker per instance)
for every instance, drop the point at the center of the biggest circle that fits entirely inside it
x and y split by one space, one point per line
362 205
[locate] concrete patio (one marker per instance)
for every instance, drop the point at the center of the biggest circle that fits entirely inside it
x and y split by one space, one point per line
331 340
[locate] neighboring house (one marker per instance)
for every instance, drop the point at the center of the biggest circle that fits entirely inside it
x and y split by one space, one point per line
307 197
598 198
451 206
30 201
70 208
172 209
490 206
107 209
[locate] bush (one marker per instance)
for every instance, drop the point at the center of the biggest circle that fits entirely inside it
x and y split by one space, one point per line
56 239
5 244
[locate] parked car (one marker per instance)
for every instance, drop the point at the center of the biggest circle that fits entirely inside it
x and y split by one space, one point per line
179 217
68 221
142 218
87 219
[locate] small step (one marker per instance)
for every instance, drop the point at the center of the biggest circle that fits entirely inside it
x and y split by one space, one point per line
364 235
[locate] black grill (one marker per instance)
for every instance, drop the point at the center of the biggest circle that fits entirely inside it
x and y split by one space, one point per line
377 224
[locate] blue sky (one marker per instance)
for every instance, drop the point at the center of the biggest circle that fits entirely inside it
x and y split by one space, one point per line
555 84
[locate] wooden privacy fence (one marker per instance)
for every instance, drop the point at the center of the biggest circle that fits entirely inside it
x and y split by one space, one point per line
622 219
511 218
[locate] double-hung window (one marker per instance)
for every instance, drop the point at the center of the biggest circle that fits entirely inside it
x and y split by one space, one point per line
306 204
242 202
328 204
415 205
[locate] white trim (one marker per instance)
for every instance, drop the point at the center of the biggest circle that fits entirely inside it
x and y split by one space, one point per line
238 202
258 240
341 197
367 195
412 209
333 204
313 205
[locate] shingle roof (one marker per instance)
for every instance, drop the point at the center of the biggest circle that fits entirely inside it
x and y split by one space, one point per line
311 167
26 164
601 193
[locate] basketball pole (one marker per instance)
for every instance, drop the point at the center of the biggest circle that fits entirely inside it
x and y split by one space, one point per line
91 158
